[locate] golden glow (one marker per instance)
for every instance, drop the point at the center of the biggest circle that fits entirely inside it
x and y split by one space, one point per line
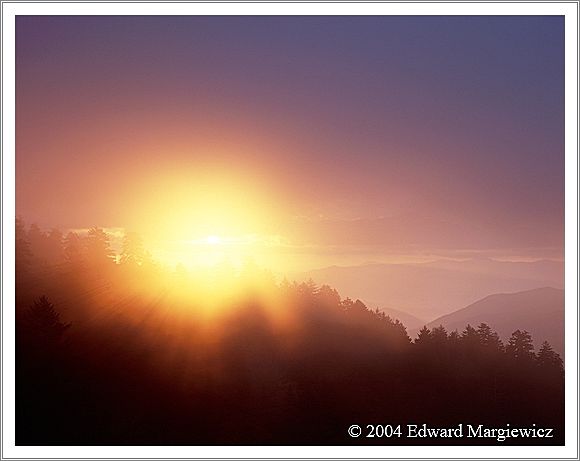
205 218
213 240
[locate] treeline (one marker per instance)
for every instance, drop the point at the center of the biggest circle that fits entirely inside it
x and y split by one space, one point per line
130 355
38 249
486 342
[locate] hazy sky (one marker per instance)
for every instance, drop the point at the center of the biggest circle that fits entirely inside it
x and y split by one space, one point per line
323 135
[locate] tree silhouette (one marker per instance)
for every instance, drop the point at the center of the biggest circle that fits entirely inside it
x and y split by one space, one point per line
99 252
549 359
54 247
308 288
326 294
358 308
43 321
469 338
520 345
453 338
439 336
423 338
73 249
318 361
489 339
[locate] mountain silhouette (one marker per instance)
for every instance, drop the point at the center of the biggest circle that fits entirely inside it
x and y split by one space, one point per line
539 311
410 321
430 290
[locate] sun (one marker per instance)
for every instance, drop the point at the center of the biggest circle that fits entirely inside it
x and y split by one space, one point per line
213 240
210 219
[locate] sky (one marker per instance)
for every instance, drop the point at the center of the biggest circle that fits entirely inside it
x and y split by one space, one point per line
304 140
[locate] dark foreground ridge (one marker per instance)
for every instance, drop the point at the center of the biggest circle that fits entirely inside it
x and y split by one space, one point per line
116 355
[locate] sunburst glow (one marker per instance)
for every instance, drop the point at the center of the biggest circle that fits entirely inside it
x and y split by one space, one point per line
213 240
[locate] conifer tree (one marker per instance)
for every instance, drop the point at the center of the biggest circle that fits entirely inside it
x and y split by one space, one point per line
549 359
489 339
43 321
423 337
520 345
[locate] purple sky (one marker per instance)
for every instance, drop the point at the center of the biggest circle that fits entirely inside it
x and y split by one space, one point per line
399 132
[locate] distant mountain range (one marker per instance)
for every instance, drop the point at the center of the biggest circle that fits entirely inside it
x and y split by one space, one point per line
411 322
539 311
426 291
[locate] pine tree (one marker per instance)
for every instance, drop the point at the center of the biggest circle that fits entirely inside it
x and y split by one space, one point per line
439 336
469 341
328 296
423 338
520 345
73 249
54 247
453 338
99 252
308 288
469 335
43 321
489 339
549 359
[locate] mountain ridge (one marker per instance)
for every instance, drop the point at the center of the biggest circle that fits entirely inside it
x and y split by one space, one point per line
540 311
431 290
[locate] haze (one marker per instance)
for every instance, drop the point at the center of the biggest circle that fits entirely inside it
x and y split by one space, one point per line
299 142
259 230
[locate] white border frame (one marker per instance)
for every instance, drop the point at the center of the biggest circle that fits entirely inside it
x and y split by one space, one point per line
568 9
